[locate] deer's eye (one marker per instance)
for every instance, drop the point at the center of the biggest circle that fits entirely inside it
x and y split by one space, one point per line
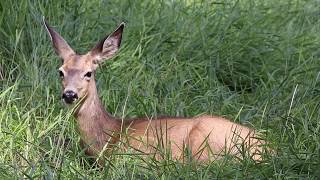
61 74
88 74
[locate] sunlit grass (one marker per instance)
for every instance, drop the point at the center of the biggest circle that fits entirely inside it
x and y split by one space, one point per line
256 62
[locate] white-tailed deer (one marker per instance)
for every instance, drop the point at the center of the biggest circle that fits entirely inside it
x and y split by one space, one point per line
205 136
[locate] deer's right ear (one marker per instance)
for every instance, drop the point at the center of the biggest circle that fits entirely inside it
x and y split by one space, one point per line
60 46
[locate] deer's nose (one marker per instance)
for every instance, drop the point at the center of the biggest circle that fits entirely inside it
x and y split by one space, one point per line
69 97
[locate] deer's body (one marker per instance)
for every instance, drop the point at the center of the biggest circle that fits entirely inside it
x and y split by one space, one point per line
100 130
204 135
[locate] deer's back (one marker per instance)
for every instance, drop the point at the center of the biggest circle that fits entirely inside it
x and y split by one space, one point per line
199 134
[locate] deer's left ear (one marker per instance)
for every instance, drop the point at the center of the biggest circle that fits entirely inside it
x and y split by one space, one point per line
108 46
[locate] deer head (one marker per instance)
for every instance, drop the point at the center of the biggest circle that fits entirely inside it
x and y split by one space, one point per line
77 71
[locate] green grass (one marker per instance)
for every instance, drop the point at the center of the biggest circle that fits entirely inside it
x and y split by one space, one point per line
254 61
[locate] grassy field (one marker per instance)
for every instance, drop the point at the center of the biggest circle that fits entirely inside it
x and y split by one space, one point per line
254 61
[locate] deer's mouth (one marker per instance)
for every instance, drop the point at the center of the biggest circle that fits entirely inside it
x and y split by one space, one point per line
69 101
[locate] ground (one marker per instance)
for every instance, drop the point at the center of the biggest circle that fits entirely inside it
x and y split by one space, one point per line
253 61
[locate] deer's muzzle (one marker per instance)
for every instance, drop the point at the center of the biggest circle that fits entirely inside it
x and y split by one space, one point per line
69 97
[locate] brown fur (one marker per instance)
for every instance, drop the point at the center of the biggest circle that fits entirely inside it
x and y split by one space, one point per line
205 136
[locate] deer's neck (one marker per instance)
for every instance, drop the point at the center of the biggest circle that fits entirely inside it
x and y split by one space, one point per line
97 127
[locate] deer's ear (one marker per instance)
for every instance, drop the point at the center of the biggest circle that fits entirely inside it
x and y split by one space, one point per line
60 46
108 46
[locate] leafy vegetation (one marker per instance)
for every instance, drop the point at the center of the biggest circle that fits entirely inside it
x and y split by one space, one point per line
254 61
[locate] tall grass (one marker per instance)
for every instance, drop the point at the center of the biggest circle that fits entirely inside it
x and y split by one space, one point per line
256 62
